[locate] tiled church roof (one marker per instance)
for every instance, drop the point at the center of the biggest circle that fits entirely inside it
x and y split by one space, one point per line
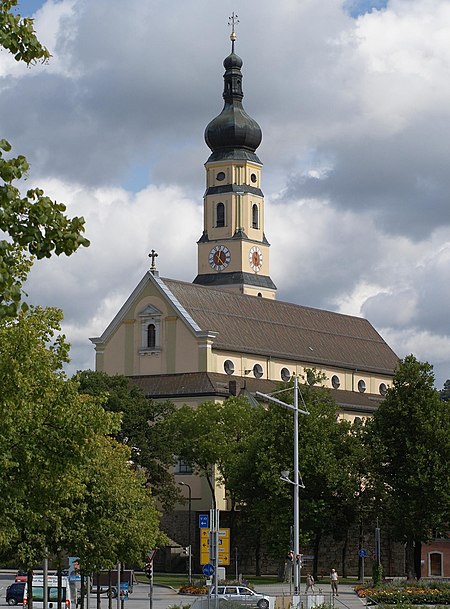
259 326
211 385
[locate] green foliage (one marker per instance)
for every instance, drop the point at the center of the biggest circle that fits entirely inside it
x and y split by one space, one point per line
143 429
65 484
17 35
34 225
252 445
409 438
212 434
377 573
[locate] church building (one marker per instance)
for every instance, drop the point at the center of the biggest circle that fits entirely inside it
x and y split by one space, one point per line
226 333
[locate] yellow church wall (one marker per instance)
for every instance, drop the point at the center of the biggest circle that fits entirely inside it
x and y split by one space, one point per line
201 499
243 366
187 350
114 353
178 351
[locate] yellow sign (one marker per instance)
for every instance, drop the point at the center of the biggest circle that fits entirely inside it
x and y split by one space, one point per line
224 547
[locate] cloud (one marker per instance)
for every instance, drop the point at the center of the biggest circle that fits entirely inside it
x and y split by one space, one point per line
354 106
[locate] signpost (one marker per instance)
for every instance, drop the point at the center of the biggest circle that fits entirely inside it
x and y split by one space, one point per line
203 521
223 545
362 553
208 569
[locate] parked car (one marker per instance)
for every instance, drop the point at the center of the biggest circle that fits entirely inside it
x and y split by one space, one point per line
14 593
67 592
21 576
245 596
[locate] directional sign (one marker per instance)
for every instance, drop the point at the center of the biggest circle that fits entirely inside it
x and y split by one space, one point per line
362 553
224 546
208 569
203 521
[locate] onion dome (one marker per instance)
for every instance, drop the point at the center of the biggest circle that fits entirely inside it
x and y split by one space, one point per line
233 134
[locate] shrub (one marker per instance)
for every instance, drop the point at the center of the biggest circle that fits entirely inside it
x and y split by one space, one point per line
377 574
407 593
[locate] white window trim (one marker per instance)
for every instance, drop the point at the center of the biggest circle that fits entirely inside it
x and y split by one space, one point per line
150 315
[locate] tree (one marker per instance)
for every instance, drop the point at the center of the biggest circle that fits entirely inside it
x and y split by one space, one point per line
57 461
410 441
324 464
143 428
209 436
246 447
117 519
35 226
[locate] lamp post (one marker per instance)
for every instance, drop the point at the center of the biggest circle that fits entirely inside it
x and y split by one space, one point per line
295 481
189 527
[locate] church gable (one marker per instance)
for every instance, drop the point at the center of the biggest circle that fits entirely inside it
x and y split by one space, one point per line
151 334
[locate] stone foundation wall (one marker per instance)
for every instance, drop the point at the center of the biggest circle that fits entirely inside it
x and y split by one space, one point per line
332 554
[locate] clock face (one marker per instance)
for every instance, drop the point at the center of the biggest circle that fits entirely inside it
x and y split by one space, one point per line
255 258
219 257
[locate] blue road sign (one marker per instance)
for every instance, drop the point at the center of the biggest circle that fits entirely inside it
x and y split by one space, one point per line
362 553
203 521
208 569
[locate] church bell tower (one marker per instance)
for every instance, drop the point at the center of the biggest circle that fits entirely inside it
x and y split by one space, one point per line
233 252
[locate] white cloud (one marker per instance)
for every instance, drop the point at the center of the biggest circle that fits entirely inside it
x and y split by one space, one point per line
356 122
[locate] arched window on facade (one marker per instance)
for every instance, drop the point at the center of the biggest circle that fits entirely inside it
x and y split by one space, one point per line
220 214
255 216
151 336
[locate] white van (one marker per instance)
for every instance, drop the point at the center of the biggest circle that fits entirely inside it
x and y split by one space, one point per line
68 597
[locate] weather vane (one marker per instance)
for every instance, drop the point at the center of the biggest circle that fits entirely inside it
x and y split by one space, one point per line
153 255
232 22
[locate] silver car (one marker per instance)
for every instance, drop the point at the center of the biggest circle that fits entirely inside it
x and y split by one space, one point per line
244 595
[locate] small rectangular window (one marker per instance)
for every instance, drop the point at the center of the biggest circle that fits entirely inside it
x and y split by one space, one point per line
182 467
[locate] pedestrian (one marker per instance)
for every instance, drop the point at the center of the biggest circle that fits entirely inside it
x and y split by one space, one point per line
309 583
288 566
334 582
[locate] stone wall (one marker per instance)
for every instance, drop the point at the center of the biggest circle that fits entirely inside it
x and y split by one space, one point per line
332 554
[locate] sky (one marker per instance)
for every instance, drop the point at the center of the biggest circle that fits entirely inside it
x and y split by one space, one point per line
353 98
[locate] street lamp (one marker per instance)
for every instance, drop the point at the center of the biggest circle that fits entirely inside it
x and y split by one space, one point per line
189 527
295 481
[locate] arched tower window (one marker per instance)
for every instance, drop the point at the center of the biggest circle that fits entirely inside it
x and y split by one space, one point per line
255 216
150 319
151 336
220 214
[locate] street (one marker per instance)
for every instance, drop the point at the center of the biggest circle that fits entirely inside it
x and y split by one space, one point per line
166 597
162 597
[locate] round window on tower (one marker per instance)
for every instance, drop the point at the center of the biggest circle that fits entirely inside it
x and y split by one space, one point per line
257 371
336 383
253 177
361 386
220 176
285 374
228 366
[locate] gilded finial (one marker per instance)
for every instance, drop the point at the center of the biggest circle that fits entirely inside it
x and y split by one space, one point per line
232 22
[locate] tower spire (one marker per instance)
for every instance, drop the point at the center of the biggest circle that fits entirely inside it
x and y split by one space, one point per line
232 22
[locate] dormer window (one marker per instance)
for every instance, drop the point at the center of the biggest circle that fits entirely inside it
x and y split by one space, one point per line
150 319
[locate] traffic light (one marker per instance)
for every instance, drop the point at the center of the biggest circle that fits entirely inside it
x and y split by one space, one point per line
148 568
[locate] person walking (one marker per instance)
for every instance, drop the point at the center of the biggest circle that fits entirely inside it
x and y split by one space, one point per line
309 583
288 567
334 582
